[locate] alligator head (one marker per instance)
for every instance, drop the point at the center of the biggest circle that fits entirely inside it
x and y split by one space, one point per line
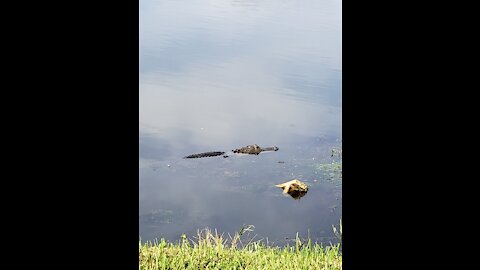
253 149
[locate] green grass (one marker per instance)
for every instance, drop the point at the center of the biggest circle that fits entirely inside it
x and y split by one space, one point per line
213 251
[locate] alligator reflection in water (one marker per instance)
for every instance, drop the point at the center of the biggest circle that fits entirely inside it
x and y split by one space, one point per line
252 149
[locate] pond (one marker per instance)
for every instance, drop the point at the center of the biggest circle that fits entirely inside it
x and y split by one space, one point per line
219 75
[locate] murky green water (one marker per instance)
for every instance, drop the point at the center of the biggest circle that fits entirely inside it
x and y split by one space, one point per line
219 75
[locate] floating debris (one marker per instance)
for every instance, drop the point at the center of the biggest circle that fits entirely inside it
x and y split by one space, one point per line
336 152
294 188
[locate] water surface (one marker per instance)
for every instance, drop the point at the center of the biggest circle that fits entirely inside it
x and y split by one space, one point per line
219 75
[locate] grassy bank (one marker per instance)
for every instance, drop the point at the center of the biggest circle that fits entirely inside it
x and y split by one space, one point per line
212 251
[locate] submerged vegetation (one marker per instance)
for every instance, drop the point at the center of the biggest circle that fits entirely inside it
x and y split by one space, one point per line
213 251
331 171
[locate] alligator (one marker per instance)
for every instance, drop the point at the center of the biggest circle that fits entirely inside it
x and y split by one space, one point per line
252 149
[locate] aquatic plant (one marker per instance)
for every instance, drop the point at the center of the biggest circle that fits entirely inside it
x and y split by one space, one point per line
210 250
338 232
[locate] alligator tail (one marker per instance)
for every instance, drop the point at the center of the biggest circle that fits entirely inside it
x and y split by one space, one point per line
206 154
